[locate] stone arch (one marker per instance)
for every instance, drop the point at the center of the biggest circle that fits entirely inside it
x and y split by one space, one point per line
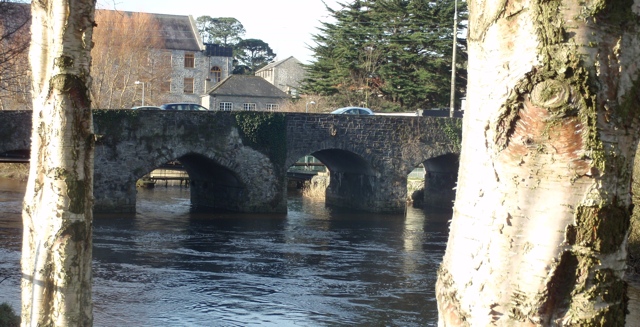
353 180
241 180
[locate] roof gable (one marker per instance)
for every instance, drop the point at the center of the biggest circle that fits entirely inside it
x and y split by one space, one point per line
278 63
246 85
178 32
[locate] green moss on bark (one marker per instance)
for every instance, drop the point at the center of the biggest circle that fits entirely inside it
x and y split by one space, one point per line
602 228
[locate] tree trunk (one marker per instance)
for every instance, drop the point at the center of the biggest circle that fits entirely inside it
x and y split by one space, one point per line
57 211
543 200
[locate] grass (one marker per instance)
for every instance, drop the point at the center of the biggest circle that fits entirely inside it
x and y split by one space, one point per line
8 318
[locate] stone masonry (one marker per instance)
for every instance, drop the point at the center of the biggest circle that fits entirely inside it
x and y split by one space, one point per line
238 160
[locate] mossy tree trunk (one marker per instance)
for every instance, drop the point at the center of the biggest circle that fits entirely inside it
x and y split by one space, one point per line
57 211
543 199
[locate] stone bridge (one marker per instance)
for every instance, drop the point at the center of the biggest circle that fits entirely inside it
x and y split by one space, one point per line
238 160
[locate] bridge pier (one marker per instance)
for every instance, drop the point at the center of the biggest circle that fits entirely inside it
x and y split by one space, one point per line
440 181
114 194
252 186
370 193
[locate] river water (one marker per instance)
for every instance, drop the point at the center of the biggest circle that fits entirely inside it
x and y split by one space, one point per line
167 265
314 266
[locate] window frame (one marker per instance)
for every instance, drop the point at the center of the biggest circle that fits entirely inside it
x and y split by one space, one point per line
165 86
273 106
216 74
249 106
225 106
189 83
189 60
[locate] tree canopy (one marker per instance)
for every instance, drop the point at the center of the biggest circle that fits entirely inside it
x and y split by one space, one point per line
393 50
226 31
254 54
249 55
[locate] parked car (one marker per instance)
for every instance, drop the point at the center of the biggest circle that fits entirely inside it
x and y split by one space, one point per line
146 108
182 106
352 111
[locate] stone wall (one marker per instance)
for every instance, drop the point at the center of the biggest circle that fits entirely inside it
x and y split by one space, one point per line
15 133
209 144
238 160
288 75
200 73
369 157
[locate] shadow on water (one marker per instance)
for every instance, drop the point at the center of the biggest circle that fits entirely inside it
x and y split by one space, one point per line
170 265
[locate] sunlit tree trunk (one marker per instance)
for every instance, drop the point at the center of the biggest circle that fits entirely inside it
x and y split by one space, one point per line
543 200
57 211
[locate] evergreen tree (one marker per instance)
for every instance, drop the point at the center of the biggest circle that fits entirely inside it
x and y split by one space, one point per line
226 31
252 54
397 50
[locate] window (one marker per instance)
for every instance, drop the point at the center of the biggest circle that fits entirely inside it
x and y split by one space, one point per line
249 107
272 107
189 60
216 74
225 106
188 85
165 86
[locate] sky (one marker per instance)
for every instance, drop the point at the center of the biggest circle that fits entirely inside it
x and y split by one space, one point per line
286 25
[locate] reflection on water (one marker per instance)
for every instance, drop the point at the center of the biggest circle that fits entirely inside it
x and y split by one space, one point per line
315 266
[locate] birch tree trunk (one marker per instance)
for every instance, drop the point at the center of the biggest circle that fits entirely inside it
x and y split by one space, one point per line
543 200
57 211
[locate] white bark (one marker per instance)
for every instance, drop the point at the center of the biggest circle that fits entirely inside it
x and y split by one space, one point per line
57 212
543 196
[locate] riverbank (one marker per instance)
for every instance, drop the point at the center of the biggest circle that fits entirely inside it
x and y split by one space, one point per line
18 171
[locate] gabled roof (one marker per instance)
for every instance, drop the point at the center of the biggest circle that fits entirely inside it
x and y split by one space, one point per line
246 85
277 63
177 31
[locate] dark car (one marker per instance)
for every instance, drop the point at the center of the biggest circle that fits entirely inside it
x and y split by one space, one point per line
146 108
353 111
182 106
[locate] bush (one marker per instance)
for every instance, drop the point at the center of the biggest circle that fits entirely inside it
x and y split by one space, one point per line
8 317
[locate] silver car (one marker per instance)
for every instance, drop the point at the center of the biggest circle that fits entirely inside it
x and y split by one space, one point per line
353 111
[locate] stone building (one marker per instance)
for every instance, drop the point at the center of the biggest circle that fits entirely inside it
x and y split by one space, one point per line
284 74
194 66
244 92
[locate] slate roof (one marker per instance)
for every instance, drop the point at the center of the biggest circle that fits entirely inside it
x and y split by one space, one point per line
246 85
179 32
276 63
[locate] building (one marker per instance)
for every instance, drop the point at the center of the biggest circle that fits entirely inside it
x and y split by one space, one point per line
284 74
194 66
137 56
245 92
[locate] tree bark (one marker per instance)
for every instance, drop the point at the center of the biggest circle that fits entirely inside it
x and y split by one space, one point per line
543 200
57 211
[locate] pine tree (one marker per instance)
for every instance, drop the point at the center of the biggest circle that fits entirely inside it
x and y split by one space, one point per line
397 50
